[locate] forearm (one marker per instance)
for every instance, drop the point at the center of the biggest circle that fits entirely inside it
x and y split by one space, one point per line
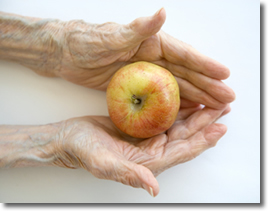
28 145
33 42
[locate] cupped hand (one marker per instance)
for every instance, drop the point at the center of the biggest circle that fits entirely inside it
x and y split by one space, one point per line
95 144
92 53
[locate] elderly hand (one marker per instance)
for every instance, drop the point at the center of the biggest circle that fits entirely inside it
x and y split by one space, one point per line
92 53
95 144
89 54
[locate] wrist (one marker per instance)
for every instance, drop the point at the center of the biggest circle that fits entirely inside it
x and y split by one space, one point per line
53 32
80 39
33 42
28 145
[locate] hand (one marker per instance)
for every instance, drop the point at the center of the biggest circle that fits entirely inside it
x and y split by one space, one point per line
95 144
92 53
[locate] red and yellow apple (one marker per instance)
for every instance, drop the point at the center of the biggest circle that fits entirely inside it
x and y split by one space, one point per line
143 99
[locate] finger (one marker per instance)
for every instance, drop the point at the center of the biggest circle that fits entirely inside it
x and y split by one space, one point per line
143 27
183 151
192 93
181 53
226 111
216 88
184 113
194 123
136 176
185 103
208 138
142 177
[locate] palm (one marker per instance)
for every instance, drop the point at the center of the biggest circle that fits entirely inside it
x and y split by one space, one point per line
171 147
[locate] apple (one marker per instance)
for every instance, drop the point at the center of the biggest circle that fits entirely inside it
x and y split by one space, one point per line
143 99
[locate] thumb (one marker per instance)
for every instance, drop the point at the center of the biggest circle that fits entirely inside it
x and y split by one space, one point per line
144 27
137 176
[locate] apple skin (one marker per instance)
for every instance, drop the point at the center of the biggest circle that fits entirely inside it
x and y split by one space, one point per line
143 99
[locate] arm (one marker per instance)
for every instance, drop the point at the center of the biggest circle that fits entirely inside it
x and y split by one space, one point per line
32 42
27 145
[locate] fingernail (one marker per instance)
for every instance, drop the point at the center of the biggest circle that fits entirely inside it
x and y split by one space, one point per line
151 192
157 13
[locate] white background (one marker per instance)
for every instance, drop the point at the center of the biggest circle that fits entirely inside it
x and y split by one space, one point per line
227 31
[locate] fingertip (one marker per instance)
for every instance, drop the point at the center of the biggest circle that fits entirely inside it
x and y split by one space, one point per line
148 180
214 132
216 69
145 27
152 188
158 20
161 14
221 128
228 94
156 191
227 110
225 72
156 188
232 96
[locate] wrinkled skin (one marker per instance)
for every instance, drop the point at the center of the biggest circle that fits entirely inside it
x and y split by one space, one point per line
95 144
92 53
89 55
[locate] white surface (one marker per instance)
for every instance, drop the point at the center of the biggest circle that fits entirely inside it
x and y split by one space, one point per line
227 31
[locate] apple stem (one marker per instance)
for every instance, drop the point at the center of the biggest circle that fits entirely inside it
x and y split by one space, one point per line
135 100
